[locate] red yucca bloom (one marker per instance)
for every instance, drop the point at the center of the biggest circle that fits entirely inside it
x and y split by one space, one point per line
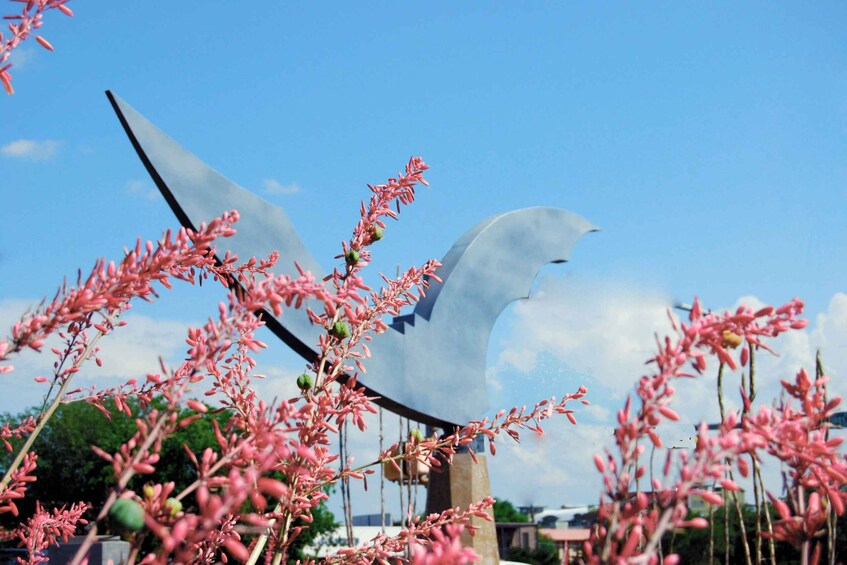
631 526
20 27
45 528
274 459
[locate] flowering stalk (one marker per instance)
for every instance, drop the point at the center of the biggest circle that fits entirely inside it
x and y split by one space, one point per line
108 291
273 460
794 433
797 436
444 549
45 528
418 534
348 320
20 27
629 529
247 457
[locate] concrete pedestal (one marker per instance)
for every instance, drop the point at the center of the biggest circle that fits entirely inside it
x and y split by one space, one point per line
461 484
107 549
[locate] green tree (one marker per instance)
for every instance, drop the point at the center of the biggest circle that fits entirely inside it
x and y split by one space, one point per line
68 471
323 521
545 554
692 544
505 511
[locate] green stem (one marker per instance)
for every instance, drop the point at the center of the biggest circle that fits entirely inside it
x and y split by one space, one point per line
831 522
752 374
725 511
771 545
712 534
757 496
726 534
758 500
801 509
46 415
741 526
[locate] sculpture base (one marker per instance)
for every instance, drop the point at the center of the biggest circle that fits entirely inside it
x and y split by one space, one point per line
107 549
462 484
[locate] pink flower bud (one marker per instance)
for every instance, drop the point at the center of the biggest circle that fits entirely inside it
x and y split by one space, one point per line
743 467
237 549
598 462
669 413
710 497
44 43
197 406
730 485
272 487
143 468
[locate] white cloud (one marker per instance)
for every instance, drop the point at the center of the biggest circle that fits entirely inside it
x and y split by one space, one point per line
131 351
273 186
596 412
492 379
554 469
31 149
134 350
277 384
830 335
603 330
143 189
22 56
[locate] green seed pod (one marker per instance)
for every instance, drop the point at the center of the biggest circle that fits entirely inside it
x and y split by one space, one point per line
174 505
416 435
352 257
340 330
376 233
304 381
128 514
149 491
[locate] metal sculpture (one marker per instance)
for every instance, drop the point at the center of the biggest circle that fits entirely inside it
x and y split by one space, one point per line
431 366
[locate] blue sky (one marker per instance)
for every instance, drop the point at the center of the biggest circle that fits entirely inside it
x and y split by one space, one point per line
707 142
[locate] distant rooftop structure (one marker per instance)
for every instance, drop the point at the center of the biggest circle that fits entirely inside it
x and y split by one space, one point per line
327 544
372 519
531 510
516 534
568 541
560 518
697 504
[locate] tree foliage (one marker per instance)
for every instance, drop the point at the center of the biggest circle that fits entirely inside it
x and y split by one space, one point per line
545 554
692 544
69 471
505 511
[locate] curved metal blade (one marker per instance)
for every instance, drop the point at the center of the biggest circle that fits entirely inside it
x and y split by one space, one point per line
197 193
432 368
438 363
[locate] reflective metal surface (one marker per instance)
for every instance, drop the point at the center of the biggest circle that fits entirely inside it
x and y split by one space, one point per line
431 365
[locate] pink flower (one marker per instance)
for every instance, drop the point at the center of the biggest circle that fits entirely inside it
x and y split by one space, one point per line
630 528
45 528
22 26
445 548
